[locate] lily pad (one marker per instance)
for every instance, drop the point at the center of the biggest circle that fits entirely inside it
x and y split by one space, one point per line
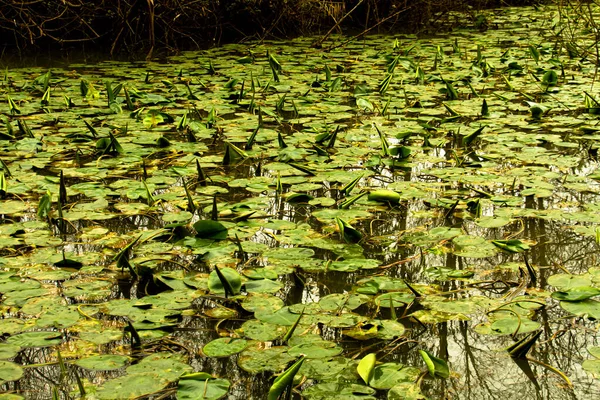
191 387
132 386
10 372
224 347
36 339
106 362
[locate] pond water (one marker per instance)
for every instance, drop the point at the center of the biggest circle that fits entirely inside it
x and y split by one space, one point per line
418 218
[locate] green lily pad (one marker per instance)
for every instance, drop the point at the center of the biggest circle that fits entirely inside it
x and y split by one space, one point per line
8 350
263 331
576 293
256 359
387 375
233 277
224 347
589 308
339 391
492 222
437 367
105 362
167 366
208 229
262 302
191 387
564 282
263 286
36 339
320 349
102 337
406 391
10 372
394 299
283 316
132 386
592 366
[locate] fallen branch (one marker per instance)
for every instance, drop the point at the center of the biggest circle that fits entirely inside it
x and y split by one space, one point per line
369 29
317 44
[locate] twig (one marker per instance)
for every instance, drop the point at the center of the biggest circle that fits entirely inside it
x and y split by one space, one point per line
369 29
319 42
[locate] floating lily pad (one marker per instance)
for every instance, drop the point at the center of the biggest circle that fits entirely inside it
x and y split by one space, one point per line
8 350
191 387
339 391
257 359
224 347
263 331
36 339
388 375
576 293
167 366
234 279
208 229
589 308
319 349
10 372
105 362
131 386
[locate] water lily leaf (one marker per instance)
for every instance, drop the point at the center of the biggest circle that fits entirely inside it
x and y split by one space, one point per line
8 350
589 308
282 316
537 110
224 347
365 367
167 366
36 339
318 349
406 391
576 293
339 391
263 286
260 273
492 222
215 284
339 301
256 359
347 232
263 331
256 302
592 366
9 372
511 245
208 229
132 386
60 318
336 368
106 362
594 351
11 396
289 253
565 282
437 367
194 387
102 336
384 196
520 349
388 375
395 299
512 325
354 264
550 78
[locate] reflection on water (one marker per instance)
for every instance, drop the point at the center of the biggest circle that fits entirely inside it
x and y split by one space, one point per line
530 172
